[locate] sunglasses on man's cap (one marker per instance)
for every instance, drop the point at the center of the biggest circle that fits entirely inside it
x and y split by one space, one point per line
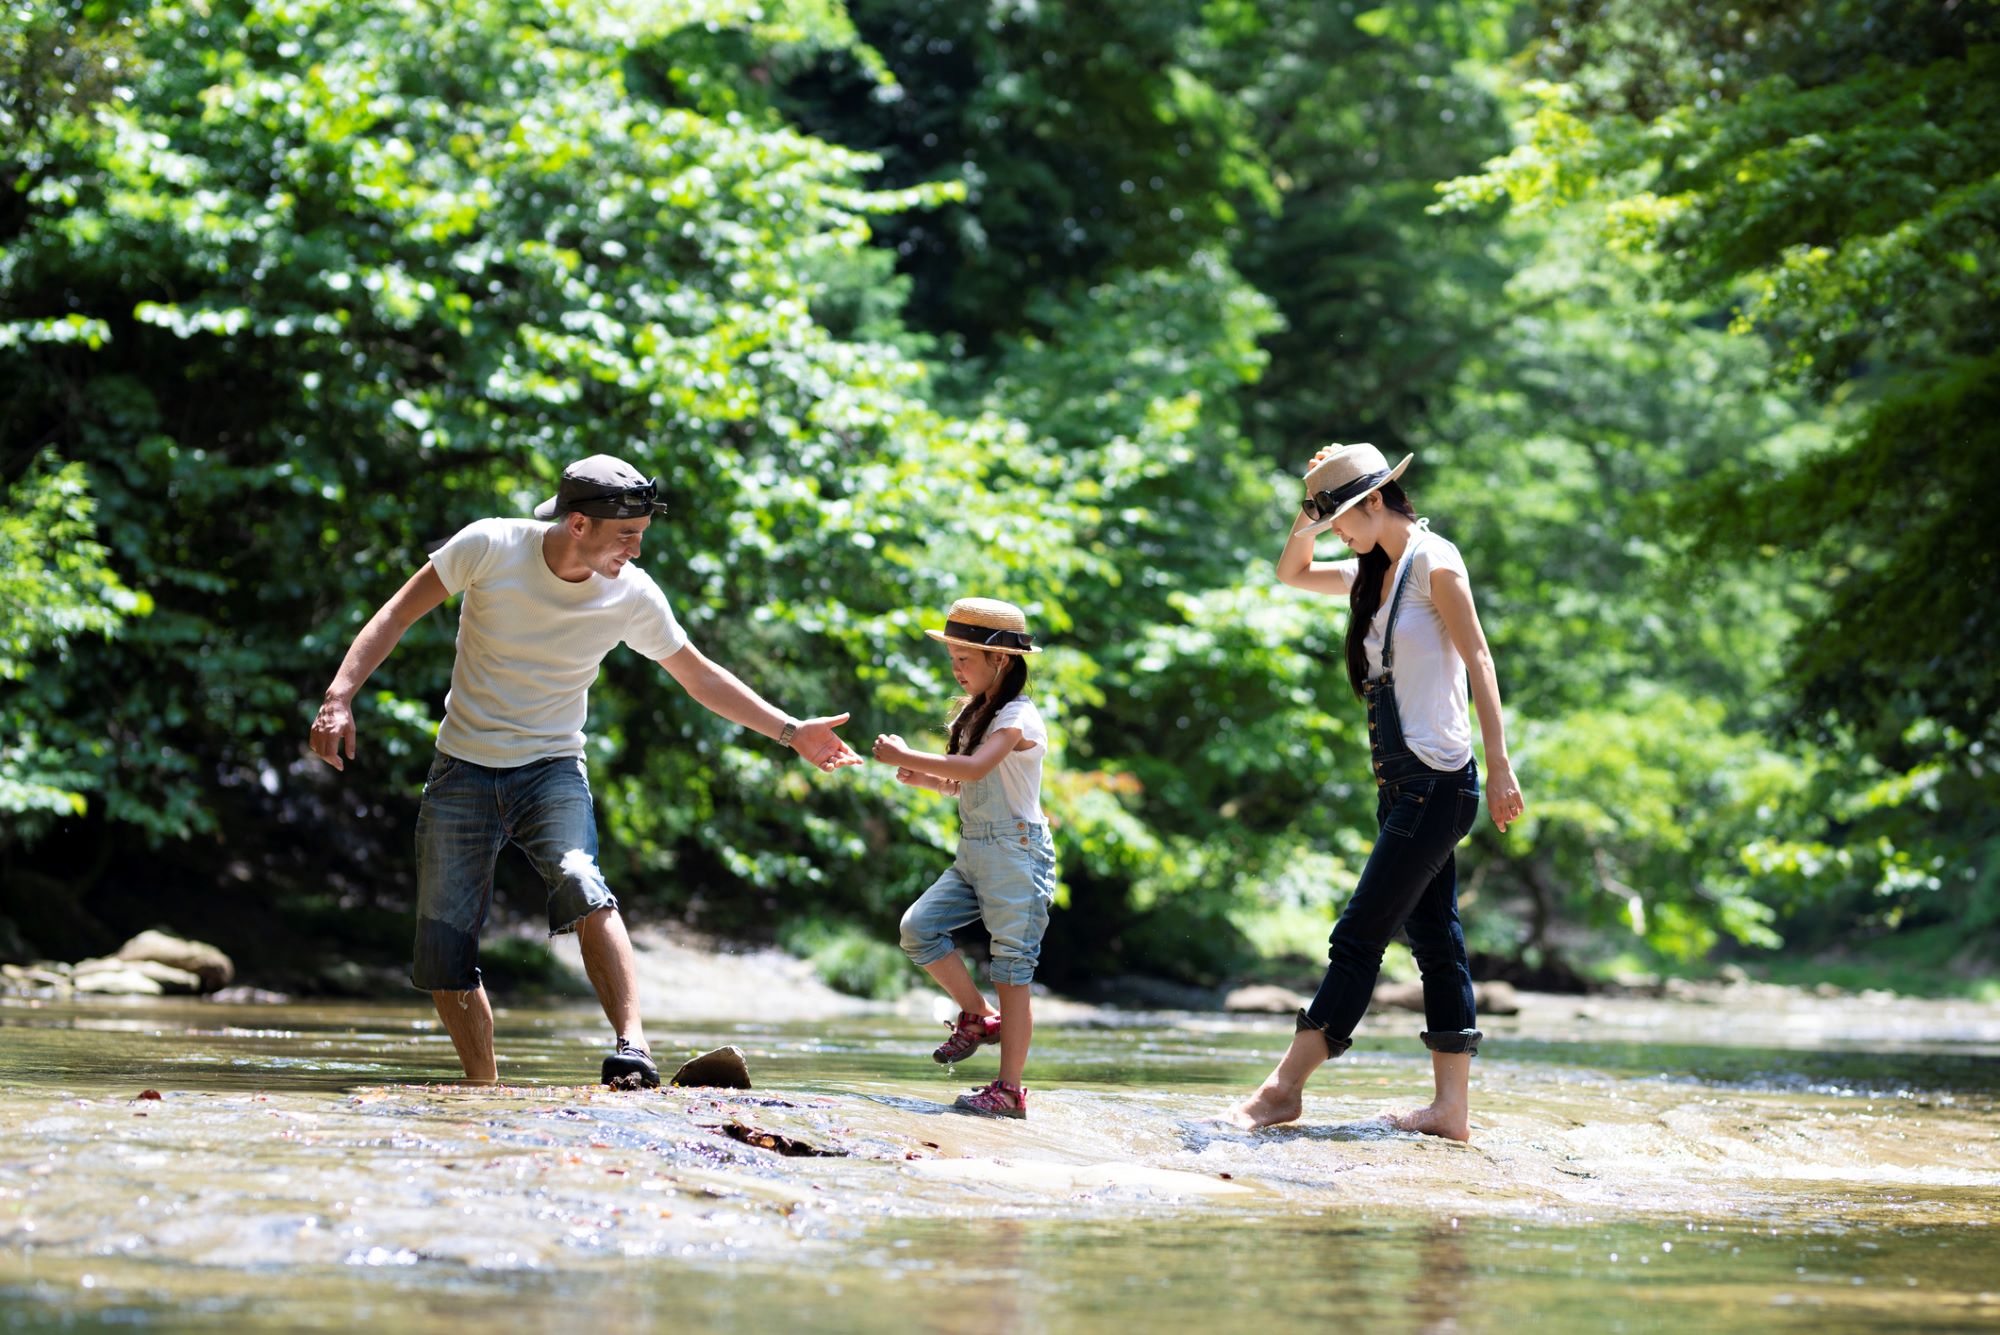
619 503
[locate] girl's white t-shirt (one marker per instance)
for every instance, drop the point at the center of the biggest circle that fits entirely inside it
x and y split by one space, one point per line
1020 771
1431 694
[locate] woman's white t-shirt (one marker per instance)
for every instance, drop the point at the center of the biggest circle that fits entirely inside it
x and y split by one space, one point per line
1020 771
529 643
1430 676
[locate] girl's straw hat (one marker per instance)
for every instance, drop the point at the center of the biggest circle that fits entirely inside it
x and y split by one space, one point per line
987 623
1340 481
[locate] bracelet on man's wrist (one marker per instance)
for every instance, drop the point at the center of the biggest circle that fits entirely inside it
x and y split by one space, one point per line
789 731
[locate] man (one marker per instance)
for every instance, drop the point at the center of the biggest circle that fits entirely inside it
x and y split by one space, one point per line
545 600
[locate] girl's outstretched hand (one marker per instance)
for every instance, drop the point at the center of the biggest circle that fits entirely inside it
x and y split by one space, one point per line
889 749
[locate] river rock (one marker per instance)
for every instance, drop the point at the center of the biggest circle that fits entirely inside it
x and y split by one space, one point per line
241 995
167 976
1496 998
196 957
1263 999
1404 996
723 1068
32 978
119 983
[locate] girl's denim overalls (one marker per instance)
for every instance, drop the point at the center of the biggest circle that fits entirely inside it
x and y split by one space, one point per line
1004 874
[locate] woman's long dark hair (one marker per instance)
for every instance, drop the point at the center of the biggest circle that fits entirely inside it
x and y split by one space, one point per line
971 713
1365 598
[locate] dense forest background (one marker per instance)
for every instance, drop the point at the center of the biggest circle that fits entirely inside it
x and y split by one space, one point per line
1689 314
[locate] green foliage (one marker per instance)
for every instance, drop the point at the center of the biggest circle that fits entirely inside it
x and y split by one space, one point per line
1833 176
1050 302
57 594
849 958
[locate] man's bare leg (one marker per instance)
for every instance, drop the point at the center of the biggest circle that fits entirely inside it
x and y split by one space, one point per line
951 974
1449 1114
1282 1096
468 1018
607 959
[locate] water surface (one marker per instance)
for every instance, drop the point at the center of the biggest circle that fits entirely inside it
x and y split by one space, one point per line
1784 1163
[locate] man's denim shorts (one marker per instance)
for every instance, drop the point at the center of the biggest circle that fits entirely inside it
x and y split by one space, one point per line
1005 874
469 812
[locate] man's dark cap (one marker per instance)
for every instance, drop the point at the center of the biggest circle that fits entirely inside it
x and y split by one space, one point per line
603 488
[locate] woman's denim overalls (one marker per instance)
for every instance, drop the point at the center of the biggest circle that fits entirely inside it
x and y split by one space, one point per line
1411 880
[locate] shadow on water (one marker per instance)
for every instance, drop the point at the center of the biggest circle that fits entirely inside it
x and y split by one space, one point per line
297 1173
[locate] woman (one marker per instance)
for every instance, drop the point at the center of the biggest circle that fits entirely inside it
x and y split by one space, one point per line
1412 631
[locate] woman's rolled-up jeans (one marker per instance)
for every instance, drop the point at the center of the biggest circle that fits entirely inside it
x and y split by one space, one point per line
1411 882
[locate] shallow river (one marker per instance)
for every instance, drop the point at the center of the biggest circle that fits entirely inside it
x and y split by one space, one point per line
1765 1164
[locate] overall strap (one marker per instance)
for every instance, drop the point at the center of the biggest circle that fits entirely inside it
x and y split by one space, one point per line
1396 604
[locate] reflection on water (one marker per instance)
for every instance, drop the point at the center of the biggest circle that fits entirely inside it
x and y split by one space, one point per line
1815 1169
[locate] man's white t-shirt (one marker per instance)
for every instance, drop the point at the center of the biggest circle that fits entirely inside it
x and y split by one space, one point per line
1430 676
529 644
1020 771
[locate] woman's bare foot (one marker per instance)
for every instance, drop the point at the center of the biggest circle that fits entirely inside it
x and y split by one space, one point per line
1452 1124
1270 1105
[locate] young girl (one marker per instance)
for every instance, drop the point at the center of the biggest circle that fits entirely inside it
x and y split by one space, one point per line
1005 871
1411 633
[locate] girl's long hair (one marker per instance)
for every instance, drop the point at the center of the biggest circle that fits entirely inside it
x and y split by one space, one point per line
971 713
1365 598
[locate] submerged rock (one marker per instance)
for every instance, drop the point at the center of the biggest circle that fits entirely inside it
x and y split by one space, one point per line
196 957
789 1146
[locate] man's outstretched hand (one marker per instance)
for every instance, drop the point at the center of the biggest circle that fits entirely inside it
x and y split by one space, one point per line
333 732
816 740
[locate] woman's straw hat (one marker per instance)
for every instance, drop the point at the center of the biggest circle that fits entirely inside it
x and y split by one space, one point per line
987 623
1344 478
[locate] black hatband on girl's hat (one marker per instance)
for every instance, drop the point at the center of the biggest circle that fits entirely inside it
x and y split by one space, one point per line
603 487
987 623
991 637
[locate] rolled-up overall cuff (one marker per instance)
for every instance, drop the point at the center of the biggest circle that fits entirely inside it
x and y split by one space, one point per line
1334 1046
1453 1040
